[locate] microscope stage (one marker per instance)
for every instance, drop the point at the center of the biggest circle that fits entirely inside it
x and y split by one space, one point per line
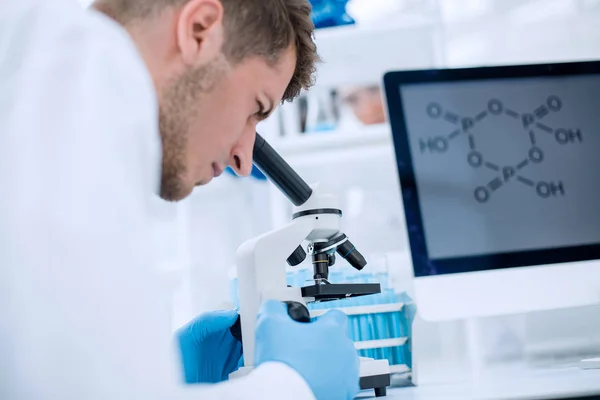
336 291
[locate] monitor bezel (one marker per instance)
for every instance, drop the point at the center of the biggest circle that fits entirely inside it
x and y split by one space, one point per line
423 265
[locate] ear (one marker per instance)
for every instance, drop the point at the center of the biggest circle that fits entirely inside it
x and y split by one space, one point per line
200 31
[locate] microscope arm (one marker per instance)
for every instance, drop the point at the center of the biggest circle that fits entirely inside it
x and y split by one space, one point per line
262 275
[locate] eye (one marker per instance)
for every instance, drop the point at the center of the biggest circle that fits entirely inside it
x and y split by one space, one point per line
261 113
261 109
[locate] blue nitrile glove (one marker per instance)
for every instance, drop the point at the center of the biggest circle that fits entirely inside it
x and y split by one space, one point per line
320 351
209 352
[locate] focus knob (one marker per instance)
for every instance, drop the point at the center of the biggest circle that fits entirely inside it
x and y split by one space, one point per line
297 257
298 311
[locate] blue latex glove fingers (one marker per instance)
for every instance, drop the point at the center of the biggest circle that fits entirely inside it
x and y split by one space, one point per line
213 322
320 351
338 322
209 352
273 310
334 319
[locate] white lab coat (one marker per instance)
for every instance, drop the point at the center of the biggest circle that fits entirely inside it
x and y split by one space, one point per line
83 313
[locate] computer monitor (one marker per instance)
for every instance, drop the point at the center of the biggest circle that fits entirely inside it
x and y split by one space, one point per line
499 170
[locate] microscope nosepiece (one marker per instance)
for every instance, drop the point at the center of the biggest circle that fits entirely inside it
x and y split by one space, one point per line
321 266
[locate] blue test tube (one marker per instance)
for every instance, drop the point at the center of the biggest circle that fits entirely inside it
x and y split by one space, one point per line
369 321
353 320
233 292
396 330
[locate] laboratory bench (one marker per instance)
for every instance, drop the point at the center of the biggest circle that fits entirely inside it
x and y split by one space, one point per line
550 382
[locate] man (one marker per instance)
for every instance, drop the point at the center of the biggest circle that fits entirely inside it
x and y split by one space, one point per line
99 111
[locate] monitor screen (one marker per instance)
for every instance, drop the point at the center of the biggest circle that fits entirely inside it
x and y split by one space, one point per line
500 171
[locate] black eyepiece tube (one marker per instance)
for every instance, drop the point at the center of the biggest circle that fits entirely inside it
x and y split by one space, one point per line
279 172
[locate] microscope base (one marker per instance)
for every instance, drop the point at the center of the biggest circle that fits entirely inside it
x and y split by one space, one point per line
241 372
375 374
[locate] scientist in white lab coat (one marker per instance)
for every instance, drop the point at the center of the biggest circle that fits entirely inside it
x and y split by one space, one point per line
102 110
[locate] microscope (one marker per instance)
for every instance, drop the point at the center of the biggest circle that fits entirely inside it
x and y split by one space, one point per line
261 262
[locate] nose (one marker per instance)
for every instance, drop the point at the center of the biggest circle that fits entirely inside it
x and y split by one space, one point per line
241 155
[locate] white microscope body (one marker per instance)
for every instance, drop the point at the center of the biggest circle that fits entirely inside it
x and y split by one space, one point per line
261 262
261 265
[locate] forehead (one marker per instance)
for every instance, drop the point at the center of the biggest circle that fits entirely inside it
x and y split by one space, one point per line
273 78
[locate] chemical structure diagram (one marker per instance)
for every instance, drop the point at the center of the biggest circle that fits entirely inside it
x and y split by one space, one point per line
532 124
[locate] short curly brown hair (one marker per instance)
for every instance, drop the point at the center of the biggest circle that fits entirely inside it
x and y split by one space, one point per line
263 28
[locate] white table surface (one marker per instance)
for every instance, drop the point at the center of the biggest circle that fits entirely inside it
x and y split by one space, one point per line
509 383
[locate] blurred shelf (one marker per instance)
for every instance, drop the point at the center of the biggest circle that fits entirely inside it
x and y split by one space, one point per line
374 135
360 310
359 55
351 31
378 344
399 369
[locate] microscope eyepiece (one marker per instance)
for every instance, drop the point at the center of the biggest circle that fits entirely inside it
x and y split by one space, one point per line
279 172
350 254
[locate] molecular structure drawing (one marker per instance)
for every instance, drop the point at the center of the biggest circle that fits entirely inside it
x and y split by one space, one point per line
532 124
